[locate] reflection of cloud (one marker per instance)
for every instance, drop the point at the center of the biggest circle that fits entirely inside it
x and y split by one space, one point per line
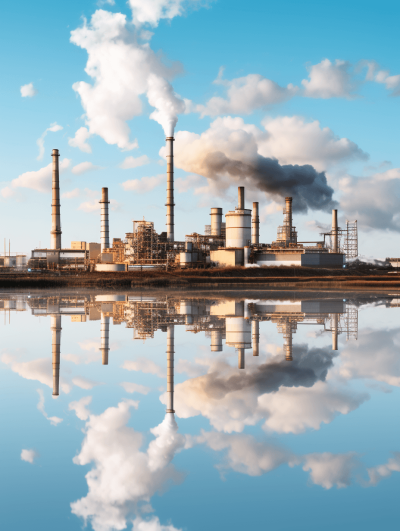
145 365
80 407
29 456
124 477
131 387
53 420
151 525
329 469
84 383
377 473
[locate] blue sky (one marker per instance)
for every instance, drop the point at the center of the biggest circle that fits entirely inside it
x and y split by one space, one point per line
304 83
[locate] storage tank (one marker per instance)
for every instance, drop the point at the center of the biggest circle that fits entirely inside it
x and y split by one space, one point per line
238 224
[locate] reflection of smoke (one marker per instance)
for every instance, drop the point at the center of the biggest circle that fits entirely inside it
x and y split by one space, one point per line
167 442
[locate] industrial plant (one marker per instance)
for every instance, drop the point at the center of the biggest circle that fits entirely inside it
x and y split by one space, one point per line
230 243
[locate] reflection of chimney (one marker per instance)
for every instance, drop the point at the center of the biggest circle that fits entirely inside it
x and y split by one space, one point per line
170 189
170 368
216 221
255 336
56 342
334 232
105 341
216 341
55 204
335 319
240 358
241 198
255 226
288 341
105 234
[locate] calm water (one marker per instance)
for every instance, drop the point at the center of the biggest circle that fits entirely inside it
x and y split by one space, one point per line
285 414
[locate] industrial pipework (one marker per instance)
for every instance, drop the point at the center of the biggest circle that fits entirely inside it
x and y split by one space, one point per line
170 189
56 342
105 235
170 368
55 204
255 226
334 232
216 221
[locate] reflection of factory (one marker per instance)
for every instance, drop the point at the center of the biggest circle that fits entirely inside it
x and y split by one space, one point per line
235 242
237 322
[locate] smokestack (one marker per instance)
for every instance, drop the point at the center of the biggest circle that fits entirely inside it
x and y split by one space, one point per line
288 341
288 218
241 198
334 232
255 226
55 204
240 358
170 189
335 331
170 368
56 343
104 231
216 221
105 338
255 333
216 341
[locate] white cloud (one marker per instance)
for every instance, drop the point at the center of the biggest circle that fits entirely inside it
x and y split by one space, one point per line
329 80
84 167
39 180
29 456
374 73
144 365
151 525
84 383
246 94
80 408
54 127
122 71
377 473
28 91
328 470
144 184
184 184
152 11
53 420
131 387
71 194
132 162
80 140
8 192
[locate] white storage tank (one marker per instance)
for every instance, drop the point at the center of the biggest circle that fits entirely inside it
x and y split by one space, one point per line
238 224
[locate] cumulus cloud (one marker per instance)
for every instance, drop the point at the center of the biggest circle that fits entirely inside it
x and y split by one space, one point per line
374 201
39 180
132 162
71 194
131 387
376 474
145 365
29 456
54 127
329 470
124 476
329 80
84 383
375 73
122 71
152 11
93 205
144 184
84 167
246 94
80 407
151 525
80 140
28 91
53 420
229 153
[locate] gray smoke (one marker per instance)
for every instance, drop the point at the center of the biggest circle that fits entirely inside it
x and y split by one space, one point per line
308 187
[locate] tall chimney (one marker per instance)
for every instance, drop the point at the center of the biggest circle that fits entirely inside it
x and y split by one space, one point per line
105 340
241 198
56 342
216 221
104 231
55 204
335 322
255 333
255 226
170 189
334 232
288 218
170 368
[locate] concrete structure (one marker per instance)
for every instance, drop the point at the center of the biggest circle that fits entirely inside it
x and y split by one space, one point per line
55 204
255 226
227 257
170 189
170 368
104 231
216 221
56 347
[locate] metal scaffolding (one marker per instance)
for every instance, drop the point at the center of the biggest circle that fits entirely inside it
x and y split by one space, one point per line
351 239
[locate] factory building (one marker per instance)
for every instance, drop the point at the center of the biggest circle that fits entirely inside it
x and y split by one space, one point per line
230 243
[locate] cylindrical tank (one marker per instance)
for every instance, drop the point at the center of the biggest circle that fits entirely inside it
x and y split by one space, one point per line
104 230
216 341
238 228
216 221
238 332
255 225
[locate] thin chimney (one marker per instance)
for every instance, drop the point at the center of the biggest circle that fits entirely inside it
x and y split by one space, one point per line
170 189
55 204
105 232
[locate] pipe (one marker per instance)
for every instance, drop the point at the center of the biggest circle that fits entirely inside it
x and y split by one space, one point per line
255 336
334 232
241 198
170 368
255 226
240 358
216 221
105 338
56 346
104 230
335 331
170 189
55 204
